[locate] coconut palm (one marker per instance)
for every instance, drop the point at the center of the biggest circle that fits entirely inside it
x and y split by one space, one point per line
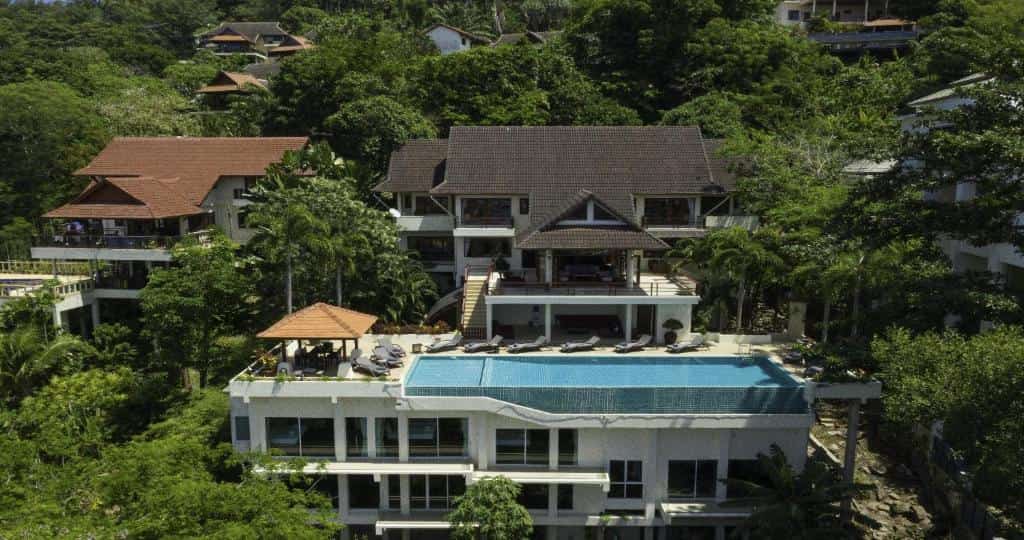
284 231
28 359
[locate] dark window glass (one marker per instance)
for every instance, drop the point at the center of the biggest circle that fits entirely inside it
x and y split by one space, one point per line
714 206
283 435
317 436
524 206
567 446
437 437
577 214
488 247
417 491
749 470
241 428
681 478
691 533
355 437
394 492
406 203
601 214
386 432
537 446
487 211
626 479
427 207
667 211
423 437
794 15
327 485
509 445
707 472
452 441
436 492
363 492
243 218
565 496
534 496
432 248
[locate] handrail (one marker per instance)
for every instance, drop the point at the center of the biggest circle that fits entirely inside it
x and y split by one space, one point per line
44 267
485 221
576 289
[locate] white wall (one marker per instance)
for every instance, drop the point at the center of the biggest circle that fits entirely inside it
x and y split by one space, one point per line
225 207
447 40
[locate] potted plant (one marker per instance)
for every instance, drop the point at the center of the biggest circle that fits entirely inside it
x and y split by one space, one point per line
671 326
500 264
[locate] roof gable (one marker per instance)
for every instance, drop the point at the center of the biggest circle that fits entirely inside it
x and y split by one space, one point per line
320 321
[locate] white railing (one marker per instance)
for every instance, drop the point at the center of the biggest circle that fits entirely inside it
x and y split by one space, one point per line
44 268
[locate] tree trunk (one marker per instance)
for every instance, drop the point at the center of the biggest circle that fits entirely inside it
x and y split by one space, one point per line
337 282
855 314
497 18
741 297
288 281
825 321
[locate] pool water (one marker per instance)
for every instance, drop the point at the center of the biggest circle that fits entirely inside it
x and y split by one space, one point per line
597 371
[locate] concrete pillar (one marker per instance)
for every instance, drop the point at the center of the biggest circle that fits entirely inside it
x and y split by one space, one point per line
850 457
404 506
628 330
835 8
797 319
403 436
653 484
343 503
724 440
95 308
490 318
483 446
549 263
631 269
371 437
340 452
866 7
553 449
547 322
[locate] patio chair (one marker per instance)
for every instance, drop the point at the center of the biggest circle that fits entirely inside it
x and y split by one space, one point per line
394 349
484 346
382 356
577 346
695 342
363 364
524 346
637 345
444 344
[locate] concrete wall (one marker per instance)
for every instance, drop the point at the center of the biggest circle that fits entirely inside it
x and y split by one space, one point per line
447 40
225 207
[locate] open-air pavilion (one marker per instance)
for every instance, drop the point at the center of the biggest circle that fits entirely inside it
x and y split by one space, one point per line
320 325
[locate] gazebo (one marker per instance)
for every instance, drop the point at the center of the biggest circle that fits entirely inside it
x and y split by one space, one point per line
320 322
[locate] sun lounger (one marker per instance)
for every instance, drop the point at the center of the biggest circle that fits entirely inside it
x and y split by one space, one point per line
576 346
382 356
695 342
524 346
362 364
484 346
444 344
630 346
395 349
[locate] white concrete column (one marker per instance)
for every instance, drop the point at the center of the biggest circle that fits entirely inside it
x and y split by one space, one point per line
95 308
340 452
490 318
628 330
549 263
724 440
404 506
652 477
866 4
371 437
547 322
343 503
552 501
483 446
553 449
403 436
631 269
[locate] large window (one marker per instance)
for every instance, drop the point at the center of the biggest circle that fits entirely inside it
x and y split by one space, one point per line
386 433
567 444
432 248
242 428
355 437
522 446
488 247
714 206
534 496
435 492
565 496
689 479
363 492
748 470
327 485
425 206
665 211
394 492
437 437
627 479
487 212
301 436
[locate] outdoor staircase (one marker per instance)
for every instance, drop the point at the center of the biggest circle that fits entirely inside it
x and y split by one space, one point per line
474 308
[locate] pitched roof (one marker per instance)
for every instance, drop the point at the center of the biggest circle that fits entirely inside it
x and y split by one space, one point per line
721 166
467 35
229 81
417 166
128 198
251 30
263 70
548 232
195 162
320 321
292 44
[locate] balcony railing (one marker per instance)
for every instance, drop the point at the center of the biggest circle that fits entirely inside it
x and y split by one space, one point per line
486 221
668 221
583 288
110 241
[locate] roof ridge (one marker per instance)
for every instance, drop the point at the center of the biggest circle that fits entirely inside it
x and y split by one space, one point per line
328 309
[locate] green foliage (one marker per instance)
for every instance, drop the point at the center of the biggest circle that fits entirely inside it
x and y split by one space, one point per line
371 129
973 384
718 114
489 510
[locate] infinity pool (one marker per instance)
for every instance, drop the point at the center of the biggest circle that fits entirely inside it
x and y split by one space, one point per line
621 384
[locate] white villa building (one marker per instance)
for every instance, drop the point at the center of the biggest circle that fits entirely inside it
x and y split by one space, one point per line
561 230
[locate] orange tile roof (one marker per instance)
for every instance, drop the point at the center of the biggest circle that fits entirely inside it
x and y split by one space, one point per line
148 198
228 81
196 162
320 321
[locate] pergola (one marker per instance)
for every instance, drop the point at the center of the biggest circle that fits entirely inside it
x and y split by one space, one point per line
321 322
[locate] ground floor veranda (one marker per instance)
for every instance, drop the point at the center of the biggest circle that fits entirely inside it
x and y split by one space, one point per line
700 529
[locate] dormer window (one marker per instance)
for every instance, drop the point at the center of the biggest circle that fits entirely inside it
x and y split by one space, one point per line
590 213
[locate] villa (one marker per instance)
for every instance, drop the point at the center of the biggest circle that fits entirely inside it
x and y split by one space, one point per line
260 40
561 230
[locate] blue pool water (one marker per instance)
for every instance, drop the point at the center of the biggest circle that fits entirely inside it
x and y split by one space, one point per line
614 384
597 372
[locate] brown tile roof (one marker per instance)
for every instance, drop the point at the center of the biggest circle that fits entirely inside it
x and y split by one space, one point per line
229 81
195 162
320 321
128 198
417 166
251 30
292 44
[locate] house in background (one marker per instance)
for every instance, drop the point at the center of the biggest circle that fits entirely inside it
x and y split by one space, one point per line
871 25
536 38
230 83
258 39
449 39
145 194
561 229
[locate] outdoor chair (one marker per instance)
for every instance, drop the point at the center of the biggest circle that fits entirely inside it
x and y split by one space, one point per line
484 346
577 346
695 342
444 344
382 356
525 346
362 364
394 349
630 346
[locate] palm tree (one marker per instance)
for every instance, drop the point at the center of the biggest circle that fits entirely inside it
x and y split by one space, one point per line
285 230
791 505
28 359
734 253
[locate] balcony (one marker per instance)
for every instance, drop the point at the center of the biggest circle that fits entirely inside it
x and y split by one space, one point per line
648 285
152 247
428 223
486 221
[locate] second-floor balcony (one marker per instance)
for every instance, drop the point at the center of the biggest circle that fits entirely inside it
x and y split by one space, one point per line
108 241
486 221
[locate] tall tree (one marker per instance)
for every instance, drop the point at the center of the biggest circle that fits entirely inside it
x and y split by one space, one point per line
489 510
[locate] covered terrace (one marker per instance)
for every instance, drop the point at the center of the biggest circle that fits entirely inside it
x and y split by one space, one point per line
314 341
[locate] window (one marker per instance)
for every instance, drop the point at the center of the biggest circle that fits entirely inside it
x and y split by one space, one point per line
435 492
488 247
692 478
301 436
602 214
437 437
355 437
627 479
363 492
432 248
749 470
534 496
238 193
407 203
567 446
667 211
327 485
487 211
425 206
577 214
793 15
565 494
521 446
241 428
524 206
386 433
243 218
394 492
714 206
692 533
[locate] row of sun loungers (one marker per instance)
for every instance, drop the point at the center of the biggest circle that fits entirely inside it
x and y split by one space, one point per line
494 344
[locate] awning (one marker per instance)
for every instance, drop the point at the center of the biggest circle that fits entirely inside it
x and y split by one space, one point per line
701 510
381 468
577 477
